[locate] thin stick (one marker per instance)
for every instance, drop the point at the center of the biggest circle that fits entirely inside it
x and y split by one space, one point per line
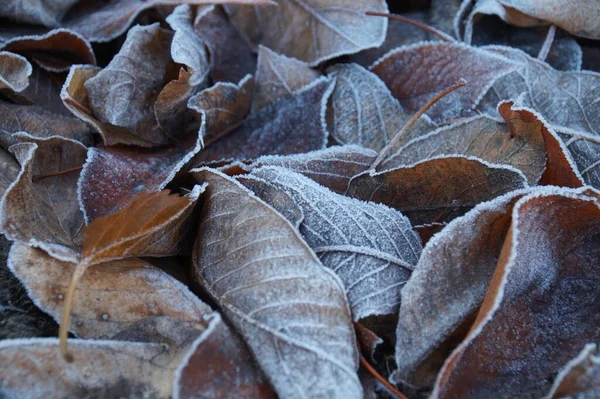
547 45
379 378
75 104
63 331
461 82
62 172
418 24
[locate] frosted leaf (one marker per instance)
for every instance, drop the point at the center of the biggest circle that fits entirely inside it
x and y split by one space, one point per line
446 288
540 293
109 298
565 99
293 124
371 247
10 168
45 211
278 76
332 167
437 189
364 112
14 73
231 58
312 31
414 74
223 106
106 20
580 378
54 50
38 122
47 13
113 176
291 311
586 154
219 365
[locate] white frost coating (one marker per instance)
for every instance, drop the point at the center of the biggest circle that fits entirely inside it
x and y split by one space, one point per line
541 191
588 352
83 175
370 246
12 82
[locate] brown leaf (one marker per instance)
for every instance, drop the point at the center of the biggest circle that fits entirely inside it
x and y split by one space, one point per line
542 304
99 368
38 122
106 20
364 112
447 287
414 73
45 213
438 189
113 176
76 99
580 377
153 224
14 73
10 170
368 341
328 29
346 234
54 50
290 125
291 311
231 58
34 12
109 298
332 167
219 365
278 76
223 106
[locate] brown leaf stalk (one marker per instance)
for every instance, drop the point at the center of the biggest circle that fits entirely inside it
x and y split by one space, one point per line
418 24
63 331
62 172
380 378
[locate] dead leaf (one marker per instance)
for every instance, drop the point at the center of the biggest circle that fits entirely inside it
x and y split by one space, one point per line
224 106
586 154
109 298
291 311
14 73
45 213
414 73
219 365
278 76
437 189
113 176
36 12
345 233
447 287
290 125
332 167
10 168
328 29
580 377
54 50
368 340
231 58
540 293
364 112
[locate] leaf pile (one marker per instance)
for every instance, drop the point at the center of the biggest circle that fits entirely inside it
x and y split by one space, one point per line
300 199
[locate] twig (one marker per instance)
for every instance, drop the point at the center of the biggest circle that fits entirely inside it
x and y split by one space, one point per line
62 172
379 378
547 45
418 24
461 82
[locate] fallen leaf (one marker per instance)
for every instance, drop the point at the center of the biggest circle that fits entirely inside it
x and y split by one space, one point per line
219 365
580 377
45 213
332 167
109 298
36 12
540 293
328 29
586 154
414 73
292 314
437 189
345 233
292 124
368 341
10 168
14 73
231 58
278 76
364 112
223 106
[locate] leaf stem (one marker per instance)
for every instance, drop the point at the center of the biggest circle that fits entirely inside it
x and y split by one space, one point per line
378 377
547 45
62 172
63 331
461 82
418 24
